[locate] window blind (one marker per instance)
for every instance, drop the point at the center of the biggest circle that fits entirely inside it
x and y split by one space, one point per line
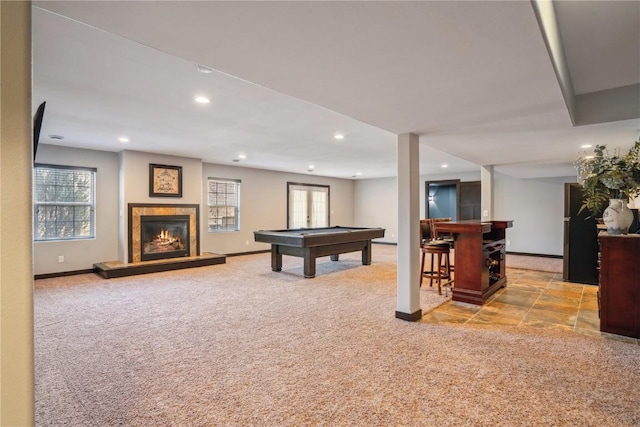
224 205
63 202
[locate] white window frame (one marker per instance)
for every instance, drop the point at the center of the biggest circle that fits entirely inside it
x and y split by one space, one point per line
223 213
55 217
308 205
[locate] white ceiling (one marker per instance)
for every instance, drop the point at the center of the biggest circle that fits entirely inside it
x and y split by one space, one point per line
472 79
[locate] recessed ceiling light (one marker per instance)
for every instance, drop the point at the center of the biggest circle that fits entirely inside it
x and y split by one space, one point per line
585 146
444 165
56 136
338 136
242 156
204 70
123 139
359 173
202 100
311 168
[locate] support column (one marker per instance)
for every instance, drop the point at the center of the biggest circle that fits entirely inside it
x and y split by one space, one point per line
16 246
486 198
408 285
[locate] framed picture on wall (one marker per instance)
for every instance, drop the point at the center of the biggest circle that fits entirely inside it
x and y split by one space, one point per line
165 181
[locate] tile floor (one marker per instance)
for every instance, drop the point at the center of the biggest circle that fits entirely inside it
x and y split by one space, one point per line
533 299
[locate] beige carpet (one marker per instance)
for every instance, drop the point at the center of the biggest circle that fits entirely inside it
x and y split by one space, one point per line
239 345
526 262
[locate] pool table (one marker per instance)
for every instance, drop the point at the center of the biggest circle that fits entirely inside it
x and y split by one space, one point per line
312 243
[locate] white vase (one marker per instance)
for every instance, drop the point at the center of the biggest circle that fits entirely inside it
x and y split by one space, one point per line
617 217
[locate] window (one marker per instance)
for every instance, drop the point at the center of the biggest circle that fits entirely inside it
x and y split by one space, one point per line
224 205
308 206
63 202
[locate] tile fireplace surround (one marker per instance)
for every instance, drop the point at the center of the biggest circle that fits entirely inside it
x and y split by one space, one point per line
136 211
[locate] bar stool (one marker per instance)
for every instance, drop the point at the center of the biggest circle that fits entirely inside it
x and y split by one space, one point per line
438 249
439 235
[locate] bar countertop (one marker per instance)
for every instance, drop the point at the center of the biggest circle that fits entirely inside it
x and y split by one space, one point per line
473 226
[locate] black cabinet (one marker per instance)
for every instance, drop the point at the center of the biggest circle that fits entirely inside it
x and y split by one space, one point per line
580 239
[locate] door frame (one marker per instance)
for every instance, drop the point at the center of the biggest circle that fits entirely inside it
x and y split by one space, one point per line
458 183
455 182
328 187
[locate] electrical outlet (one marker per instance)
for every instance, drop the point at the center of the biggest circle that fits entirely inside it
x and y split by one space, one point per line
246 243
508 242
60 259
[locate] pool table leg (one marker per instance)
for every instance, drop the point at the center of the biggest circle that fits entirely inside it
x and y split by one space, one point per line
366 253
310 263
334 257
276 258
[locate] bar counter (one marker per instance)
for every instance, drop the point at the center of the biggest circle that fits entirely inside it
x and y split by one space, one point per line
479 258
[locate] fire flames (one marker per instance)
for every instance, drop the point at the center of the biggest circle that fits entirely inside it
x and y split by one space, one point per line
165 238
164 242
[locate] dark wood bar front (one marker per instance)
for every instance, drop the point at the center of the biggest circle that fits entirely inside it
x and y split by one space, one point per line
619 293
479 258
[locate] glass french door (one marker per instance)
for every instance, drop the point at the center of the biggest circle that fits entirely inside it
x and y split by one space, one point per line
308 206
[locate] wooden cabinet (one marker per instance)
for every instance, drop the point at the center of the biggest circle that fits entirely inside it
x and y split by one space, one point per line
479 258
619 293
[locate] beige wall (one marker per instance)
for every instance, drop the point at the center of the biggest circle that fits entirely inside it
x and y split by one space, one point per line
82 254
263 205
376 205
535 205
134 187
123 178
16 273
376 201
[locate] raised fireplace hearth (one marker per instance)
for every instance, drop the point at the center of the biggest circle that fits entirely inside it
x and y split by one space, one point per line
163 231
167 233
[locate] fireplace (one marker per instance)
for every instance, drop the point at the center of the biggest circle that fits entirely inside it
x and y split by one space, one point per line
163 231
164 236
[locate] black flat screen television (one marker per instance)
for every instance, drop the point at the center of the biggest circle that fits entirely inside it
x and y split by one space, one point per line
37 124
